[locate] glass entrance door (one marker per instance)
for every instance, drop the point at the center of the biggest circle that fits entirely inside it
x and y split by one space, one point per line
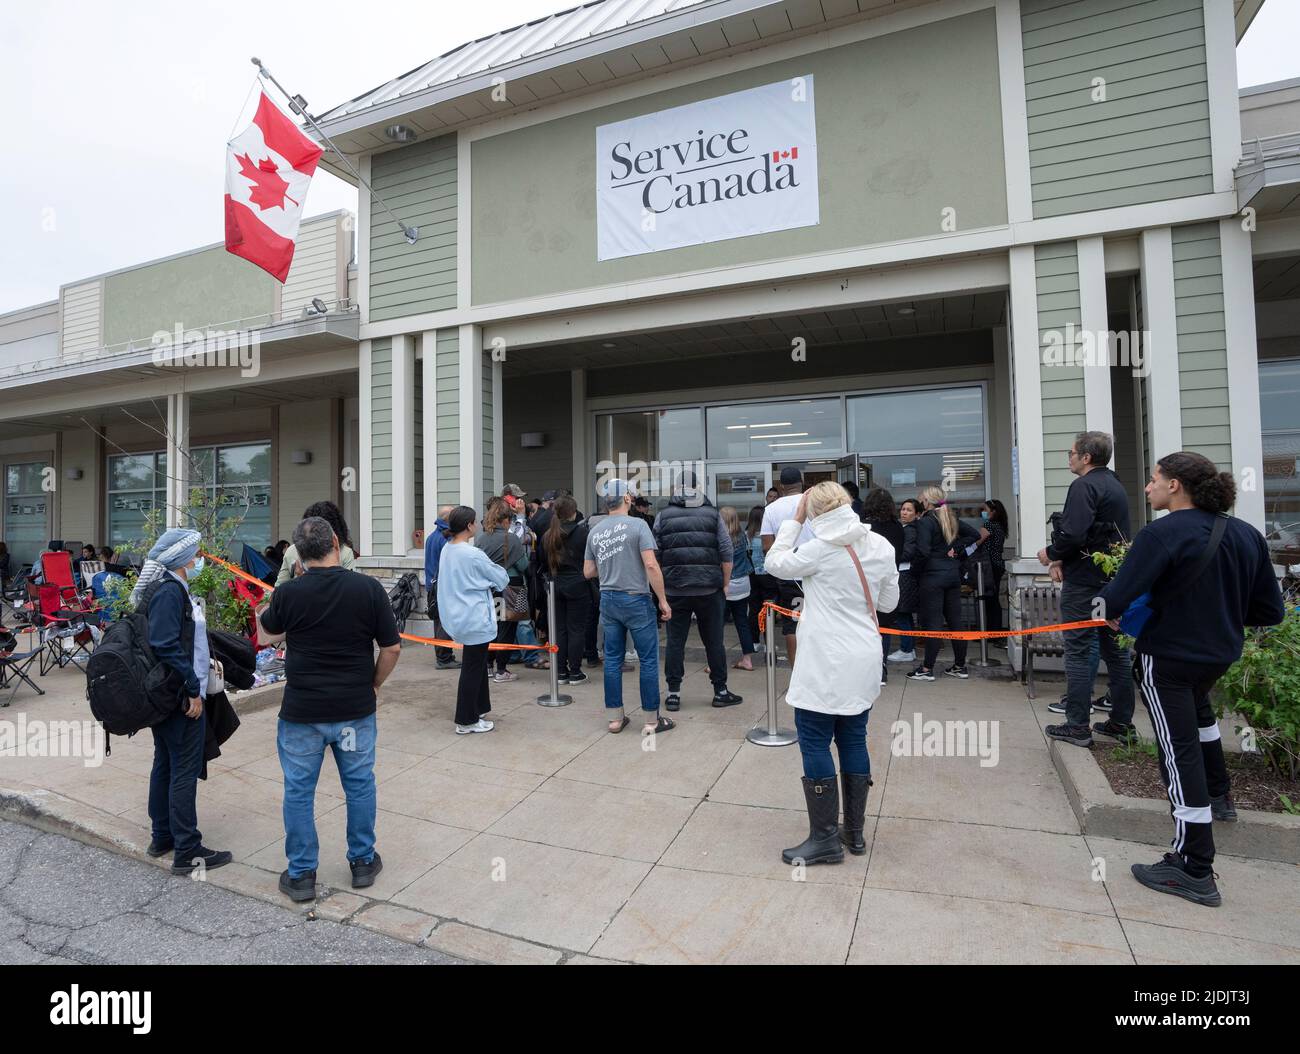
740 486
26 512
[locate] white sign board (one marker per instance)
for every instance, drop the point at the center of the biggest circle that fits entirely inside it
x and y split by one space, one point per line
723 168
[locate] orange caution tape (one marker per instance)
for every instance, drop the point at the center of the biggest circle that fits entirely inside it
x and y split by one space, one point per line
966 634
435 641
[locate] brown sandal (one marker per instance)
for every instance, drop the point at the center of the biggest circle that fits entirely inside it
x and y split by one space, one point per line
616 731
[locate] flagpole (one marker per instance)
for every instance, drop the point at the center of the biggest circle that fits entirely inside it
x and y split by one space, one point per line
299 106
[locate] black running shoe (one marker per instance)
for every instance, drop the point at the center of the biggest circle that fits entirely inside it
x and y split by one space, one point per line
673 702
576 678
1078 735
726 697
200 858
1223 808
363 873
1059 707
298 889
1115 730
1170 875
921 674
1103 704
957 671
157 849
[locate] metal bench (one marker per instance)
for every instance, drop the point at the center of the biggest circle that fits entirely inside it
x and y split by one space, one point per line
1039 606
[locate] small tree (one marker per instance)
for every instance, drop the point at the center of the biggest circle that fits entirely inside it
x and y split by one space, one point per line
223 607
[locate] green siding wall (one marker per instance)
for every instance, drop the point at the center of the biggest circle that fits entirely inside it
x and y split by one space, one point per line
448 416
1202 342
419 184
198 289
381 444
1056 268
907 124
1150 139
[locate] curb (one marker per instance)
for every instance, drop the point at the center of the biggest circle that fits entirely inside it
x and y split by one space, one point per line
1102 812
55 814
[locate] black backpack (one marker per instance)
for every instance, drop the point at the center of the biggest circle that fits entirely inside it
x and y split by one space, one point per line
403 597
127 686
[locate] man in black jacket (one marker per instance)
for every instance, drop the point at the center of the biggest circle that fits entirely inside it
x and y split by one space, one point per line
1095 516
695 554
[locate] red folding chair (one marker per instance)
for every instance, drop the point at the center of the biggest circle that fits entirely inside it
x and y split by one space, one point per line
65 635
56 570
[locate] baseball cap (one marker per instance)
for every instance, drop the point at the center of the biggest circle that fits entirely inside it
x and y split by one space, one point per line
790 475
615 491
514 490
550 495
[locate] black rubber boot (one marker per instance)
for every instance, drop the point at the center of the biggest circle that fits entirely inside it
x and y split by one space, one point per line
855 788
822 845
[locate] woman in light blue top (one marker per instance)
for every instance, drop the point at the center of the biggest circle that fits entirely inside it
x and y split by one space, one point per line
466 578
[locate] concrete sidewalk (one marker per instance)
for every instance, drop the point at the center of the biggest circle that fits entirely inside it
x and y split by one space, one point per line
549 840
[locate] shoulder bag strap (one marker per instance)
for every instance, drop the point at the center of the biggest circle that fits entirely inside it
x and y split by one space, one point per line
866 589
1211 547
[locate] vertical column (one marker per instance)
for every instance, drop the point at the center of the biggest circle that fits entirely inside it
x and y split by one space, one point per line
1160 342
429 368
403 446
473 486
583 460
1243 371
365 425
498 430
178 461
1095 323
1025 362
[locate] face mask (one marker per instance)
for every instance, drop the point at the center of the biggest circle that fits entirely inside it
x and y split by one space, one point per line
984 514
197 569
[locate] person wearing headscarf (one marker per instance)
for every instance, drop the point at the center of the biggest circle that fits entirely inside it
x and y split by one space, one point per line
178 636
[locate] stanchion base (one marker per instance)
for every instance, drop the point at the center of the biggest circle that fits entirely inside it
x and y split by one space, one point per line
782 737
554 700
987 663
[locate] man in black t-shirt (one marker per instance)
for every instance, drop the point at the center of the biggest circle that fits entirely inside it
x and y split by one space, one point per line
332 619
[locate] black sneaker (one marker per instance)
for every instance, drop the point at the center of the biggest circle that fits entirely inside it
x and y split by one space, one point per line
1078 735
452 665
726 697
1223 808
1058 707
673 702
562 679
1115 730
957 671
1170 875
298 889
593 663
1103 704
576 678
202 857
363 874
921 674
884 675
157 849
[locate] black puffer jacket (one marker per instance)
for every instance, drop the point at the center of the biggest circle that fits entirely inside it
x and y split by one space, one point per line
929 555
690 550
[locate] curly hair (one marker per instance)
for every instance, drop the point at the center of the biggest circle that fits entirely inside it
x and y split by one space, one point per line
879 505
1209 489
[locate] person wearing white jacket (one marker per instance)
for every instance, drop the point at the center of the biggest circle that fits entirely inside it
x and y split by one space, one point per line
836 675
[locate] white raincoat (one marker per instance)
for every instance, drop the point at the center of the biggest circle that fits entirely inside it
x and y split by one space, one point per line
837 664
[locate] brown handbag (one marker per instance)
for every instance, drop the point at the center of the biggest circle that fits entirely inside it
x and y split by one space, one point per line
514 599
866 589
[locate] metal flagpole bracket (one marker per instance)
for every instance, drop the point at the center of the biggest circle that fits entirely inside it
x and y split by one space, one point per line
299 106
772 735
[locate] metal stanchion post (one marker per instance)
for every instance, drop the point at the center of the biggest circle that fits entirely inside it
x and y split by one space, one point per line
984 660
553 697
772 735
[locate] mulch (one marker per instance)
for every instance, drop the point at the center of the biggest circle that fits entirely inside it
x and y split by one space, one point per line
1254 785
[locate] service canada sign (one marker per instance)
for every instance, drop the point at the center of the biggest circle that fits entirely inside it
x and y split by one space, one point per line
723 168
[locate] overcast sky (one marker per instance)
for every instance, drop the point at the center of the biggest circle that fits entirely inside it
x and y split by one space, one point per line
117 111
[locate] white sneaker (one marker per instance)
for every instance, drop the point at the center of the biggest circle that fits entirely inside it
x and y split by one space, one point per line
503 677
481 725
902 656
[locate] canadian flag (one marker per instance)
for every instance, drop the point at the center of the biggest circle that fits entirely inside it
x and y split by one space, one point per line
269 166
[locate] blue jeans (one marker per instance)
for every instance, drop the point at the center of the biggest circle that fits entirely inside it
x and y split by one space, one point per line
901 620
816 730
302 749
637 614
174 782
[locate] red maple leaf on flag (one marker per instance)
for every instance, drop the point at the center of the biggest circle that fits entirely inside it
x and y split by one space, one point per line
268 188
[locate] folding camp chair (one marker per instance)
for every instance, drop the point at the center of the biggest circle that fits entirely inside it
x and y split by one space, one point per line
56 570
66 637
14 664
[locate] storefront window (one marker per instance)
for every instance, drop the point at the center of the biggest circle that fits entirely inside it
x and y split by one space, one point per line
799 430
650 435
936 419
1279 398
26 512
237 477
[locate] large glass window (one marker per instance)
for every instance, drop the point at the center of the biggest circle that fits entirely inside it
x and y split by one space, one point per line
1279 399
26 512
237 477
799 430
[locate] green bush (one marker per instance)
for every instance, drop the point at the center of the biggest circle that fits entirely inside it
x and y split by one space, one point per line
1263 686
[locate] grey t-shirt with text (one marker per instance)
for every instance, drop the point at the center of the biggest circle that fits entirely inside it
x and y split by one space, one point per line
615 544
